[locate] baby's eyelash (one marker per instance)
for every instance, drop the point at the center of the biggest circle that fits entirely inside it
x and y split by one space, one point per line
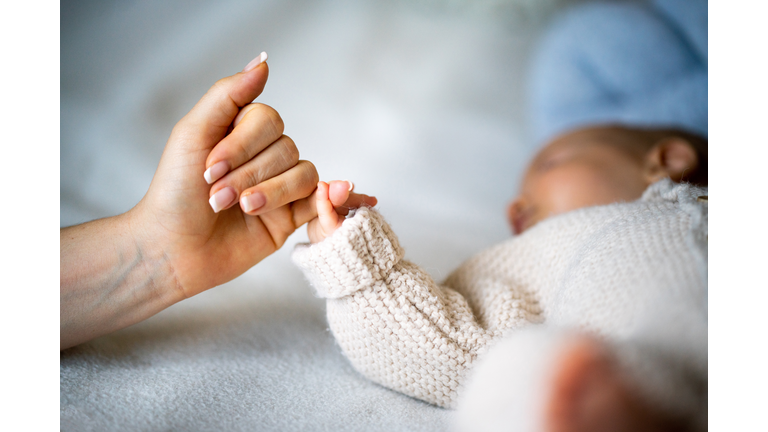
546 164
552 160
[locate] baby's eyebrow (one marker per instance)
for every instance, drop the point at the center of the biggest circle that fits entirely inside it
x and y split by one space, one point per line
548 153
543 154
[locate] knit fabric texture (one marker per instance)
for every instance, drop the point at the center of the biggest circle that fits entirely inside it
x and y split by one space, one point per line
610 270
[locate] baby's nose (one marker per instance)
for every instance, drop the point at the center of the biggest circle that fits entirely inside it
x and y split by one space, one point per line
514 211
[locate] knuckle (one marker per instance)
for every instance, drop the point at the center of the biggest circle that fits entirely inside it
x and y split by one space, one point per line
264 116
243 152
267 117
219 87
309 173
290 151
284 190
250 177
278 126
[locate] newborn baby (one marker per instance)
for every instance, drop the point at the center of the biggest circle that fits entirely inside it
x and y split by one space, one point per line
609 255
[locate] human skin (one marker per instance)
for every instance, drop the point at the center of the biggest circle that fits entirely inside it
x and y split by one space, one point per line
173 245
582 168
587 167
595 166
589 393
329 215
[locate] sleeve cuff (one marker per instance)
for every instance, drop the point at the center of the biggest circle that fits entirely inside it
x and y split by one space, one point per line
362 251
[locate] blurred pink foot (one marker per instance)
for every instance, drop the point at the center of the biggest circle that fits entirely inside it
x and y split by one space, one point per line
589 395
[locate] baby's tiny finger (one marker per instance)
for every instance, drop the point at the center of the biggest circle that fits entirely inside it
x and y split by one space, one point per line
343 198
327 216
339 191
357 200
304 210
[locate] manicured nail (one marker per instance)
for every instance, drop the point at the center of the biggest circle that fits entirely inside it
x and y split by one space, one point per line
255 62
222 199
253 202
216 171
351 185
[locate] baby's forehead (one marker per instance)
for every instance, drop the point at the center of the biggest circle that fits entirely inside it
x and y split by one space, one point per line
575 140
592 138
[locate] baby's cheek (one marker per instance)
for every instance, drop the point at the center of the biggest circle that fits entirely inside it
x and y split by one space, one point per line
571 188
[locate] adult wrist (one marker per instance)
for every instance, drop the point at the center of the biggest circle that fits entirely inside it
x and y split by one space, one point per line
111 277
162 283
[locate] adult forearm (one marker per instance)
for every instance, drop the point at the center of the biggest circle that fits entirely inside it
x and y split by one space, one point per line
109 280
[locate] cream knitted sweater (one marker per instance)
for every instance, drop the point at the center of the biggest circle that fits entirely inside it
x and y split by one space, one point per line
620 271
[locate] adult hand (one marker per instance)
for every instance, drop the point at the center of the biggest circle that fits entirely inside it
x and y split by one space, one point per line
186 235
206 237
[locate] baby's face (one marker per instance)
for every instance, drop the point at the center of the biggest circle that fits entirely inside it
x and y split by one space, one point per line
579 169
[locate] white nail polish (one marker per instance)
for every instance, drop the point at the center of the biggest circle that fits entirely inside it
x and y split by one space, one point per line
222 199
253 202
214 204
216 171
255 62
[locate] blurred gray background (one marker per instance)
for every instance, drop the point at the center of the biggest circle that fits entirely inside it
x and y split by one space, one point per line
421 103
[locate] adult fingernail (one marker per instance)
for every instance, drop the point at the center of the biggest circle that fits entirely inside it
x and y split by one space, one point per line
215 171
253 202
222 199
255 62
351 185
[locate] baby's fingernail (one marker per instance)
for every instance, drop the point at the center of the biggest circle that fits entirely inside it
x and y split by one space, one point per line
255 62
216 171
253 202
351 185
222 199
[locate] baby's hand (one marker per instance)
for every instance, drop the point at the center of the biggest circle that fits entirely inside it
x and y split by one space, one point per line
333 202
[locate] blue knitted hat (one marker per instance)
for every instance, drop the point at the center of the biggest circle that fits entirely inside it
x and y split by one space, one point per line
636 64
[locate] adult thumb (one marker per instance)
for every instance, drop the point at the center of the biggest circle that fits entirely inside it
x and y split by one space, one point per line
209 120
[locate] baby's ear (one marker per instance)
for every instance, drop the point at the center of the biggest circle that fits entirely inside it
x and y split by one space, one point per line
672 157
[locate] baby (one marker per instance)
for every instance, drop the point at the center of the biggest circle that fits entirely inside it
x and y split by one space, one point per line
609 255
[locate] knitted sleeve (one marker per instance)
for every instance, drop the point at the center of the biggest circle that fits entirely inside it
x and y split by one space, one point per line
393 322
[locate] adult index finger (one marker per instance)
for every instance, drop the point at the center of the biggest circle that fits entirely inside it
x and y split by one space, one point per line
294 184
